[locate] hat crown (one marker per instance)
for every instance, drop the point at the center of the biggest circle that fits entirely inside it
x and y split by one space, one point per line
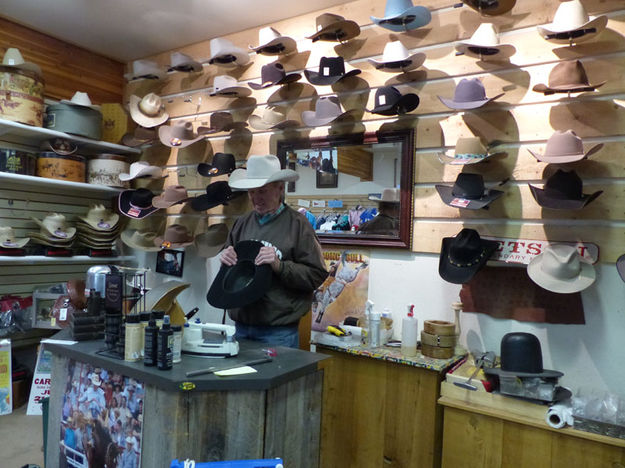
470 186
564 185
141 198
472 145
274 114
81 99
396 7
262 167
150 104
469 90
182 131
219 190
267 34
561 262
327 19
143 237
331 66
570 15
272 72
570 72
174 193
466 248
328 106
387 95
224 161
395 51
485 36
564 144
521 352
12 57
390 195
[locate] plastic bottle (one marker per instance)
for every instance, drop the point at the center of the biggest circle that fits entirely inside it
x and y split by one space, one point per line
144 320
158 316
386 326
164 345
409 326
149 352
177 346
363 323
132 340
375 339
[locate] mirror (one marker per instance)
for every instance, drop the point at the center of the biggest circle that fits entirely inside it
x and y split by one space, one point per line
356 189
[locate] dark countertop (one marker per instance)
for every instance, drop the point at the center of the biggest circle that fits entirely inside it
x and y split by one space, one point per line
287 365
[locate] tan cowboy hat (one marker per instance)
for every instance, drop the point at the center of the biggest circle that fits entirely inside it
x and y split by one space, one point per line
572 23
388 195
140 240
226 85
178 135
161 297
175 236
101 218
211 242
56 226
273 117
334 28
567 77
561 269
38 238
141 169
13 58
80 99
484 44
8 240
468 150
172 195
261 170
271 42
147 111
565 147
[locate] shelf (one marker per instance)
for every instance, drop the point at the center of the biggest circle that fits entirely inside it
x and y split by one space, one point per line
27 135
36 260
22 182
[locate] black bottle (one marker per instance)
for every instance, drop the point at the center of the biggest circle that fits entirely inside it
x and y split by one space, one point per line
164 346
149 346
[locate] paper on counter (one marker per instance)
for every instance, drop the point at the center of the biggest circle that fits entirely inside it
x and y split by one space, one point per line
61 342
236 371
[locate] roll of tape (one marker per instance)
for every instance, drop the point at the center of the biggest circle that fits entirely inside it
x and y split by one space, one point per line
442 341
436 351
439 327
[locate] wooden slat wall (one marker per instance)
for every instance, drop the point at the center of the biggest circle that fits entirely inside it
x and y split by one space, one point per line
521 119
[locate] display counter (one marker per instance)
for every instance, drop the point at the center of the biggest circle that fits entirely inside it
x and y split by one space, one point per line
274 412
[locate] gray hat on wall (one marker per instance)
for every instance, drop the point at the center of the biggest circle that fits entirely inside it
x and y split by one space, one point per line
327 110
469 94
261 170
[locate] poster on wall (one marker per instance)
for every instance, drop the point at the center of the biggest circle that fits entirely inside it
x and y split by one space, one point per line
6 404
345 291
102 418
40 388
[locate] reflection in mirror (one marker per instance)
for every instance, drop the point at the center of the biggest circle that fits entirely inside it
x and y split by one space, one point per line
354 189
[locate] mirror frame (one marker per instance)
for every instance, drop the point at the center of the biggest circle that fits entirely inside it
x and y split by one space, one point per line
406 137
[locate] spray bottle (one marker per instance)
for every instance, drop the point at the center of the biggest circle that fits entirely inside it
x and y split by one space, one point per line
363 323
409 326
374 328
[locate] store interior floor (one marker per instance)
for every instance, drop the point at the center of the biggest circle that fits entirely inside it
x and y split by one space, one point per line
21 439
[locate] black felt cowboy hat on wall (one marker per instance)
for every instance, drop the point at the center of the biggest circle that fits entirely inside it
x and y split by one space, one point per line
463 255
468 192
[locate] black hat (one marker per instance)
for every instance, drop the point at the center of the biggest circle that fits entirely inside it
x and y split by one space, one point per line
521 356
563 191
137 203
241 284
467 192
462 256
223 163
217 193
331 70
389 101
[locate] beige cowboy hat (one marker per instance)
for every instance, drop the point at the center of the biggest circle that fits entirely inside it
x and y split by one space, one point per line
178 135
13 58
565 147
567 77
101 237
145 69
172 195
484 44
261 170
56 226
147 111
388 195
161 297
97 245
226 85
469 150
140 240
38 238
141 169
572 23
100 218
8 239
273 117
210 243
175 236
397 58
271 42
561 269
80 99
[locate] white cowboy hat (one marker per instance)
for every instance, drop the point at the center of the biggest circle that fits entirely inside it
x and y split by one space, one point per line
100 218
13 58
273 117
484 44
145 69
561 269
271 42
8 240
224 53
80 99
142 169
389 195
55 225
184 63
261 170
572 23
396 58
226 85
147 111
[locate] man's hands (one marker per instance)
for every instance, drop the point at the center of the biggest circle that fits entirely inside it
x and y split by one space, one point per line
266 255
228 256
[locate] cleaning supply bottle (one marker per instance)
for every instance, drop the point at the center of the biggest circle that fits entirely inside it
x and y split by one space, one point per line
149 343
375 339
409 326
363 323
164 346
386 326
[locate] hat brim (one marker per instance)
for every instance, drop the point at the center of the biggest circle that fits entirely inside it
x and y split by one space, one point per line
127 238
402 65
584 279
249 281
160 297
463 159
554 158
242 57
546 201
290 78
445 192
504 51
620 267
571 88
165 135
142 119
233 91
314 77
311 120
205 169
16 244
186 67
407 103
461 275
37 238
467 104
149 171
71 231
288 43
258 123
239 180
160 202
503 7
349 28
599 24
90 106
422 16
112 221
204 202
158 242
123 204
545 374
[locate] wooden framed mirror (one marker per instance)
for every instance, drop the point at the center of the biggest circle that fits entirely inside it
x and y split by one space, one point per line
347 181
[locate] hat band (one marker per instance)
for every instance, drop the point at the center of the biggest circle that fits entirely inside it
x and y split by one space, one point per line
402 21
481 50
571 34
475 261
272 49
470 156
228 58
395 64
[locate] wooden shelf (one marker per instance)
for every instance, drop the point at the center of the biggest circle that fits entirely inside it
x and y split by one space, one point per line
21 182
36 260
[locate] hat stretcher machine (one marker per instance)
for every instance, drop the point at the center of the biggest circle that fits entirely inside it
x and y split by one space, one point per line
195 343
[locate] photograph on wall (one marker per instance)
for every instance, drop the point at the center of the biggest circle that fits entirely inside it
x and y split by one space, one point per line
170 262
102 419
345 291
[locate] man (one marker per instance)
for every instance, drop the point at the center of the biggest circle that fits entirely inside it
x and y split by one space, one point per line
290 247
387 220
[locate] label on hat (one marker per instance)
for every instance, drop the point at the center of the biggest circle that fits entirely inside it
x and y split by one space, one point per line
104 225
382 100
326 71
9 244
460 202
134 212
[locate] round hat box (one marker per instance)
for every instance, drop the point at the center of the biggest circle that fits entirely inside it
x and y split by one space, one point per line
104 169
18 162
24 89
77 120
62 167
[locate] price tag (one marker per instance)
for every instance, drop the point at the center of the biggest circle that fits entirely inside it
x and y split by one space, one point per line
63 314
460 202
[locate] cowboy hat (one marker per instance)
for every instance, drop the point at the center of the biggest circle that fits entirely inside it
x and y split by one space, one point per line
467 151
571 23
147 111
172 195
490 7
484 44
388 195
567 77
401 15
147 69
211 242
220 122
563 191
141 169
13 58
178 135
136 203
175 236
60 146
160 297
389 101
463 255
38 238
140 240
565 147
97 236
80 99
620 266
100 218
225 85
334 28
273 117
222 164
327 110
243 283
331 70
95 245
183 63
217 193
272 43
469 94
8 240
225 53
273 74
141 136
467 192
55 225
261 170
561 269
396 58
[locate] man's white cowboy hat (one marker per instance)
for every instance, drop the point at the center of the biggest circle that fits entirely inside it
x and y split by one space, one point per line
147 111
8 240
141 169
388 195
484 44
226 85
396 58
561 269
145 69
261 170
225 53
13 58
80 99
572 23
271 42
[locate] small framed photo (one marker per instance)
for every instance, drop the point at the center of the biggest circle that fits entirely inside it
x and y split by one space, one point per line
327 179
170 262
